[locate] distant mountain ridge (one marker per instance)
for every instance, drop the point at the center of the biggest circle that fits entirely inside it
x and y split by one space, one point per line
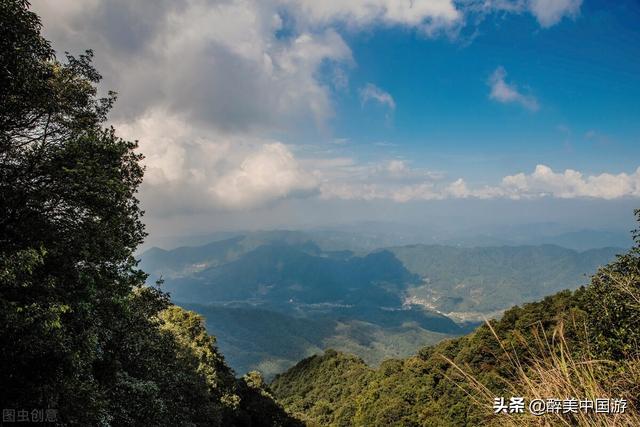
369 236
276 267
280 273
308 295
488 279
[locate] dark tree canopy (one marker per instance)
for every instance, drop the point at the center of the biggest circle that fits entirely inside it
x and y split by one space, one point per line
80 331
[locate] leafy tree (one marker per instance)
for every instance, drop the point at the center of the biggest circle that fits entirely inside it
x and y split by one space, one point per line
613 305
69 223
80 330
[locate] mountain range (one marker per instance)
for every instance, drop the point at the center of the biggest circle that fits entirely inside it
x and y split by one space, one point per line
275 297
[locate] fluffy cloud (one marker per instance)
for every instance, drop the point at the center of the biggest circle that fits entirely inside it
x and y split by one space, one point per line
204 84
190 169
550 12
571 184
547 12
221 62
371 92
244 80
397 167
505 93
428 15
542 182
269 174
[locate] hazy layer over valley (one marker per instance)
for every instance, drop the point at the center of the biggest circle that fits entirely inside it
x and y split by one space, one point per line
274 297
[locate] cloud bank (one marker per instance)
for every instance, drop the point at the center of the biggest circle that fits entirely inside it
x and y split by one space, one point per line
209 87
542 182
213 170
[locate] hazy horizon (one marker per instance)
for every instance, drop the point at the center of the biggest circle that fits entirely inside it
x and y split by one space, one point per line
303 114
431 222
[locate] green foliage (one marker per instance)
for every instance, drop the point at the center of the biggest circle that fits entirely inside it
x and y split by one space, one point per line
149 374
321 389
613 305
487 279
68 224
80 331
189 332
258 406
600 320
271 342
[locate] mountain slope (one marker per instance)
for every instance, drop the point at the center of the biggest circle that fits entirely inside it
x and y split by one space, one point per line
581 344
274 303
439 385
253 338
487 279
419 390
284 273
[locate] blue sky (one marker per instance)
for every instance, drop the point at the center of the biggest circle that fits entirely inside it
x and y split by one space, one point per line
262 113
584 72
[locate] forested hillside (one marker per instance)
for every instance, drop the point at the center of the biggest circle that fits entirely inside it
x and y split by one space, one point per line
277 267
254 338
84 340
487 279
273 298
582 343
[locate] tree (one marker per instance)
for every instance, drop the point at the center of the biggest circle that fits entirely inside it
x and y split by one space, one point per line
80 330
69 223
612 302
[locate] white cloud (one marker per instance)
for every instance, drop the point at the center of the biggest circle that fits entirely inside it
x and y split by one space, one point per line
423 191
269 174
431 17
414 13
571 184
505 93
547 12
550 12
371 92
542 182
190 169
598 137
397 167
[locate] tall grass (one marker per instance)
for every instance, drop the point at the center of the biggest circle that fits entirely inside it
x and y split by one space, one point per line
550 369
561 366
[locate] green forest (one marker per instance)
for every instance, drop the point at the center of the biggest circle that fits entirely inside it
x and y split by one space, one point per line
81 334
582 343
274 298
84 335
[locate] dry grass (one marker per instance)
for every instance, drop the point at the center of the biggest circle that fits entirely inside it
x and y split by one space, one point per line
551 368
552 371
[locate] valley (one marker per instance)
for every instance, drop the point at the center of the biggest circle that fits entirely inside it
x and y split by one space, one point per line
273 298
